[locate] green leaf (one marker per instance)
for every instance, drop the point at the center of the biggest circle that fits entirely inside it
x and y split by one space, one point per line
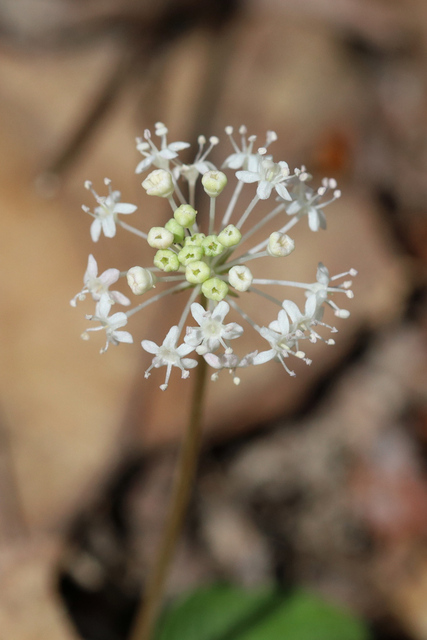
223 612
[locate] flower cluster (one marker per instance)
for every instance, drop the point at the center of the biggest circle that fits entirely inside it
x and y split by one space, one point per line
209 264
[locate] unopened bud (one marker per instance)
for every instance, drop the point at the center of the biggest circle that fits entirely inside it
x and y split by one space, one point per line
189 254
211 246
159 183
280 245
197 272
230 236
166 260
185 215
176 229
240 277
160 238
215 289
140 280
214 182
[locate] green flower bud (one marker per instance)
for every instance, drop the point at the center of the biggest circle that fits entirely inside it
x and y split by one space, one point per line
166 260
190 253
230 236
159 238
176 229
215 289
196 238
197 272
185 215
211 246
159 183
214 182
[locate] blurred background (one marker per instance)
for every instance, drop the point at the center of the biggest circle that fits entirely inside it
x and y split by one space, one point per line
318 481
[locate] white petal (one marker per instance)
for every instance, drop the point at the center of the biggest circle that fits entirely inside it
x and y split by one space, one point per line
125 207
189 363
194 336
177 146
292 310
235 161
103 306
282 191
118 319
95 230
264 189
144 164
198 312
92 269
123 336
118 297
150 346
310 306
184 350
264 356
247 176
171 338
221 310
283 322
213 360
293 208
313 219
108 227
109 277
167 154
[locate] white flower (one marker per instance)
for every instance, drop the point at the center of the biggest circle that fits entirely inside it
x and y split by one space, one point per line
304 322
229 361
269 175
169 355
243 157
211 332
98 285
106 213
282 339
308 201
116 321
200 165
321 288
157 157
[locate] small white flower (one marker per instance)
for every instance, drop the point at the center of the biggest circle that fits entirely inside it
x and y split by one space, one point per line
200 165
211 332
169 355
99 285
304 322
110 324
231 362
158 158
321 288
269 175
244 158
308 203
106 213
282 339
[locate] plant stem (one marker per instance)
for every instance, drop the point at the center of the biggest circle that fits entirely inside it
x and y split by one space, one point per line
185 472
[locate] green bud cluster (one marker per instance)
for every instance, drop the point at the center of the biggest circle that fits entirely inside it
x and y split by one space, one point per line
192 254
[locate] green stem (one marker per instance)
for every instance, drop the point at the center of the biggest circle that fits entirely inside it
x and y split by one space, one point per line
186 470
